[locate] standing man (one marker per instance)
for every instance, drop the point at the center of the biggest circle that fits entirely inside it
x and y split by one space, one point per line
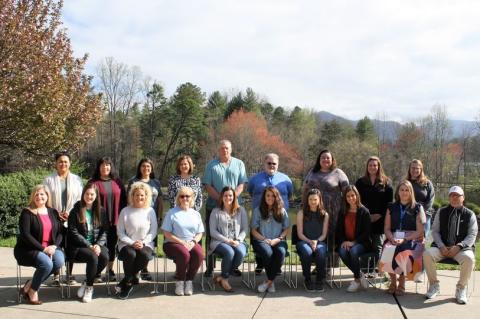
454 232
66 190
225 170
270 176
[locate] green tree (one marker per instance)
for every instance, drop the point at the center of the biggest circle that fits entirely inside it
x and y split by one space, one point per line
46 102
365 130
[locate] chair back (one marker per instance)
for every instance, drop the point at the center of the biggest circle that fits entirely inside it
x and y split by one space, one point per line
294 235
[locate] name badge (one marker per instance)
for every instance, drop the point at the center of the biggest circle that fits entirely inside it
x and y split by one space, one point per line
399 235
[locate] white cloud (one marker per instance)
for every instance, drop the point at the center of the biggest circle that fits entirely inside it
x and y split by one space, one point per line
354 58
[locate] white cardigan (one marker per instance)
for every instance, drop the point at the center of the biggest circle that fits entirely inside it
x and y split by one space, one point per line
74 190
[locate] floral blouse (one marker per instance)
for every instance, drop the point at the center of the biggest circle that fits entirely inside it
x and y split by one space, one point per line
175 182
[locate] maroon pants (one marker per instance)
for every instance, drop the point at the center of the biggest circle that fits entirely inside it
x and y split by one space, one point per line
188 262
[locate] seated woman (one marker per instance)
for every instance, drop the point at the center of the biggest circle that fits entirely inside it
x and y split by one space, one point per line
87 237
403 249
38 241
270 225
183 230
312 230
353 234
136 230
228 229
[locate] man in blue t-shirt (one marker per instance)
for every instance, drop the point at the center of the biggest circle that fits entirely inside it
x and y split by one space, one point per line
225 170
270 176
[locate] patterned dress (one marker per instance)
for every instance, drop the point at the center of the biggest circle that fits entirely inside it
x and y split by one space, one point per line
175 182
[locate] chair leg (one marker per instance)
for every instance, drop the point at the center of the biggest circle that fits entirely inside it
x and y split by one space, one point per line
19 282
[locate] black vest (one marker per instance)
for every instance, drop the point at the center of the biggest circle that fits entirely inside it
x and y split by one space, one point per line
409 221
444 215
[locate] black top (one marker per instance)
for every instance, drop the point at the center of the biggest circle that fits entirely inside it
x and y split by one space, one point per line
29 239
313 228
376 198
77 232
362 228
409 221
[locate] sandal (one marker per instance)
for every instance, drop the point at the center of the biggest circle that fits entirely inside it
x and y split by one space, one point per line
400 291
225 285
392 288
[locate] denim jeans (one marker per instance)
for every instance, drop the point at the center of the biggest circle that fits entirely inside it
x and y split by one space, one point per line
45 266
307 255
427 226
272 256
351 258
232 257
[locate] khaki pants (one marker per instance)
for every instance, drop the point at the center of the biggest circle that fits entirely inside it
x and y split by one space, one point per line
466 260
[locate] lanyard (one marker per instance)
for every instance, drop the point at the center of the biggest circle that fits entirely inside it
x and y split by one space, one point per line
402 215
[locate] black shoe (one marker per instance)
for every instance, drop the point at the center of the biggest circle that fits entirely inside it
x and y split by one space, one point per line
258 270
279 272
308 284
236 272
111 275
145 275
125 291
319 286
135 280
208 273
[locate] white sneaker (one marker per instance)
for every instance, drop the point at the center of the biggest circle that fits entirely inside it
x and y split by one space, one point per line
271 289
262 287
81 290
188 288
353 287
433 291
364 282
461 295
179 288
87 297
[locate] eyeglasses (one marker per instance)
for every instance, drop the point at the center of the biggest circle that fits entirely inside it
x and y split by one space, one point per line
272 163
184 196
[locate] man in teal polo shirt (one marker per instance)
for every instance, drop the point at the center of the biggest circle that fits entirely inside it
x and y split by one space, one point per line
225 170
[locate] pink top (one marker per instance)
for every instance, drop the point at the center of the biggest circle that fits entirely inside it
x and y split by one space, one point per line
47 230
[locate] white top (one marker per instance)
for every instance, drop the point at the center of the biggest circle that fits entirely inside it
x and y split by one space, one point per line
136 224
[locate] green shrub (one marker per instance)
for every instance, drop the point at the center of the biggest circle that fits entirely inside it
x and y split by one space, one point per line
15 191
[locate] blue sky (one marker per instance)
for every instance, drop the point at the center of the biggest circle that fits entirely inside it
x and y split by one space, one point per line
353 58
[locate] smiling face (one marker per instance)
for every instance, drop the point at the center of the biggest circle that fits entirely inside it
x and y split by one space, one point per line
269 198
40 198
415 170
62 165
105 170
89 196
456 200
351 198
270 165
184 167
404 194
139 198
326 161
373 168
225 151
146 170
313 202
227 198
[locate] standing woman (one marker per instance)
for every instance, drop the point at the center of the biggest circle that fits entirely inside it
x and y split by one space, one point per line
145 174
423 190
312 230
113 198
87 237
353 236
228 229
376 192
183 230
185 178
38 243
331 181
270 225
402 252
65 189
136 230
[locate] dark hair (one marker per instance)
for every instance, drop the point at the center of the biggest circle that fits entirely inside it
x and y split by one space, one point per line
317 166
62 153
190 163
346 205
139 173
277 204
104 160
96 206
235 206
307 213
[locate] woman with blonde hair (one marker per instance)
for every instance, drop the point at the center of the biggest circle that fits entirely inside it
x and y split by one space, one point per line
183 230
228 229
403 249
136 230
38 242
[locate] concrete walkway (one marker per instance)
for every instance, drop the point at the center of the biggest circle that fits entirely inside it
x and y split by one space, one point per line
243 303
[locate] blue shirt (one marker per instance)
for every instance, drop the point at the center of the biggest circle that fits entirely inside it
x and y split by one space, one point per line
219 175
260 181
269 227
184 224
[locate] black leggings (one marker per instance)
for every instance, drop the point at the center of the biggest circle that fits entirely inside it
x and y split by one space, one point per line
134 260
112 242
95 264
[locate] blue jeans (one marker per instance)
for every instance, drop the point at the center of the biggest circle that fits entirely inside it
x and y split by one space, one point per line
351 258
45 266
232 257
307 255
427 225
271 256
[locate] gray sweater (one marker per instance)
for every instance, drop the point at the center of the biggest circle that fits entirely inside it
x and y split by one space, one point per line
219 227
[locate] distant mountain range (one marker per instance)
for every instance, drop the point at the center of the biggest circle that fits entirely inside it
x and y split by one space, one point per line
390 128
